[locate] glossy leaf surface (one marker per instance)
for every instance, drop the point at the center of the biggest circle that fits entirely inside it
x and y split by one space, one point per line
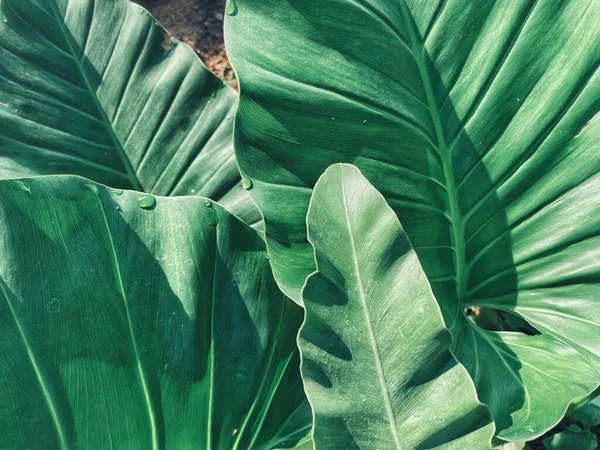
95 88
376 356
137 324
477 121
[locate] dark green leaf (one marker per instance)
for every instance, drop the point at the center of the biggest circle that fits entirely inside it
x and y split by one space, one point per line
140 325
95 88
588 415
571 440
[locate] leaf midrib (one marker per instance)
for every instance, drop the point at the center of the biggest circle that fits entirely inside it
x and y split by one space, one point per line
131 174
444 151
118 278
369 323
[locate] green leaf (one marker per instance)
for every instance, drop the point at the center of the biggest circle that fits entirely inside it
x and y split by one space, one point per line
133 325
517 445
95 88
478 122
571 440
376 360
588 415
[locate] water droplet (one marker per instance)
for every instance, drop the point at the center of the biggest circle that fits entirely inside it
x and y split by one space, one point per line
365 121
4 19
23 186
228 118
247 183
213 94
208 204
91 187
147 202
233 283
333 118
267 256
117 192
117 208
53 306
192 191
518 99
230 8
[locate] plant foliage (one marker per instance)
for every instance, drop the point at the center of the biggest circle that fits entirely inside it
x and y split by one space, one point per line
449 276
97 89
477 122
153 326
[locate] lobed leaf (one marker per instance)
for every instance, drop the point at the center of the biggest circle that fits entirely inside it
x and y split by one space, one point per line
376 357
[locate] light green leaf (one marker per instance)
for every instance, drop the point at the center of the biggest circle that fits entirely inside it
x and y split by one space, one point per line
95 88
376 360
140 327
517 445
478 122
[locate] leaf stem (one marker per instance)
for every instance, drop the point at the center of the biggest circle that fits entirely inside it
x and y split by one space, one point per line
444 151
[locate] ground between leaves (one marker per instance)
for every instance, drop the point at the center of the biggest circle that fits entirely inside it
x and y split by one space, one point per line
198 23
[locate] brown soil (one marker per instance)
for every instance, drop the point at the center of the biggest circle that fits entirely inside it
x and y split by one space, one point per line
199 23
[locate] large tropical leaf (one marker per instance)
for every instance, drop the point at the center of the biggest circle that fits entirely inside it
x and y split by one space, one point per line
375 354
91 88
140 327
475 120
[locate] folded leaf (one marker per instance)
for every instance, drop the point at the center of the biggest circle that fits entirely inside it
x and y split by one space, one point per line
477 121
95 88
131 321
376 360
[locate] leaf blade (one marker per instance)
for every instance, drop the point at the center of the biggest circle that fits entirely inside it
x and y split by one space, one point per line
350 336
464 117
142 333
106 98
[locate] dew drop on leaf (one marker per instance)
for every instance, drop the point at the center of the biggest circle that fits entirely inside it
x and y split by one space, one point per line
208 204
267 256
247 183
230 8
23 186
147 202
53 306
117 191
91 187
